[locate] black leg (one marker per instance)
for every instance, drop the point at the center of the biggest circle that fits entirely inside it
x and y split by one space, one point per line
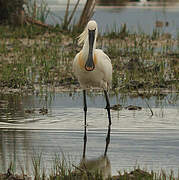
107 140
85 140
85 105
108 106
85 112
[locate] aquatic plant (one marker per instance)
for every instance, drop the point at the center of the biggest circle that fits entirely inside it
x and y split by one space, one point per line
63 169
27 65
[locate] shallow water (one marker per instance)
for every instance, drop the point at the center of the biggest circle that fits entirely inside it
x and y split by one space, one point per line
136 137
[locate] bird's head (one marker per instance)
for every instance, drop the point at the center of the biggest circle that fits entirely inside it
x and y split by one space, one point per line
92 33
92 28
92 25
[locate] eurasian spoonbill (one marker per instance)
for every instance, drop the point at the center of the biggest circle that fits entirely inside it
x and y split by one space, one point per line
92 66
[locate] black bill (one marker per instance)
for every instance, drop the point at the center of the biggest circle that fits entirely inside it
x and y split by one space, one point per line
89 66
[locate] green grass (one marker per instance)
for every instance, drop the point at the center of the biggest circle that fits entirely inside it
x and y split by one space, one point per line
142 62
63 169
34 56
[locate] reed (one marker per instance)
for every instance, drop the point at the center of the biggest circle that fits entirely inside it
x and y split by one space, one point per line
34 57
63 169
38 11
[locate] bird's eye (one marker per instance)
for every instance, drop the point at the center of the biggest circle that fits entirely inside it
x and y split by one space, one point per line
92 29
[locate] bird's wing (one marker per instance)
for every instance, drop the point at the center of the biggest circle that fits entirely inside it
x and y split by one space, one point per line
105 56
75 64
104 65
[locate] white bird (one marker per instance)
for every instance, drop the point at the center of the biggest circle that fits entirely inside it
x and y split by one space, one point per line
92 66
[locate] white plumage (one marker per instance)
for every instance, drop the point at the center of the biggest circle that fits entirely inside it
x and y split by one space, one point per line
101 76
92 66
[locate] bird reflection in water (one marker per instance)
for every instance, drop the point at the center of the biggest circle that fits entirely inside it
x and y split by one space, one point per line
101 166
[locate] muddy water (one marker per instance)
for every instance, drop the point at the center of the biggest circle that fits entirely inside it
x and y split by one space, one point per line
136 137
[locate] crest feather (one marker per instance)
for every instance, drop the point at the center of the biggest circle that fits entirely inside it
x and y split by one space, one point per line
83 36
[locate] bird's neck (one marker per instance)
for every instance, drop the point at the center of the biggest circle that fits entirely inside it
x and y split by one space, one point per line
85 49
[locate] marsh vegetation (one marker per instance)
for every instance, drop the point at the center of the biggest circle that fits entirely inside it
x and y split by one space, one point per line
34 57
38 60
